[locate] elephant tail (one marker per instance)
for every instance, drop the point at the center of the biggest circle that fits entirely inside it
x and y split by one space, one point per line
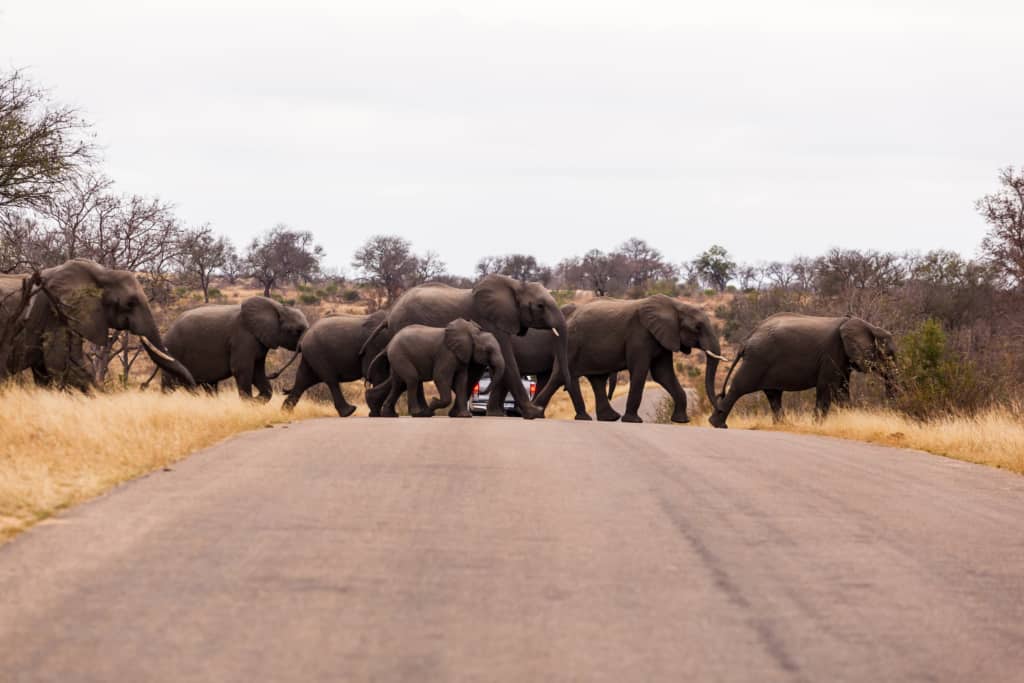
291 360
379 366
377 330
735 362
145 385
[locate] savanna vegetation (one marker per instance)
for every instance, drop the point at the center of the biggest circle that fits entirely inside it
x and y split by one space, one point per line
959 320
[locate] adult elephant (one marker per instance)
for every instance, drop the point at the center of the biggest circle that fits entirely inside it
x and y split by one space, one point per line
80 301
794 352
333 351
535 354
609 335
219 341
501 305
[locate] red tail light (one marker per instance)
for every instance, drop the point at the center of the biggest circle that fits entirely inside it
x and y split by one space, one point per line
476 389
533 389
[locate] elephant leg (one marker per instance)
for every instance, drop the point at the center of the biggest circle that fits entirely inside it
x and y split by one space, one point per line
259 378
443 382
637 376
413 392
548 389
376 395
823 401
343 407
395 385
774 397
305 377
744 382
603 409
461 407
514 381
664 374
496 399
243 378
420 396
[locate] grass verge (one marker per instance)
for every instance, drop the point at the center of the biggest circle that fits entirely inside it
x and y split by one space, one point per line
59 448
994 437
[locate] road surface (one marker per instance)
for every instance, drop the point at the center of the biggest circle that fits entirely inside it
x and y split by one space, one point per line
499 549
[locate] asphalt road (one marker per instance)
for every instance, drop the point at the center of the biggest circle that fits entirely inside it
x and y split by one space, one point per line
497 549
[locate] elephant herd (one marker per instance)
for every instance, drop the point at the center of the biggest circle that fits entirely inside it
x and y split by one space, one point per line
443 334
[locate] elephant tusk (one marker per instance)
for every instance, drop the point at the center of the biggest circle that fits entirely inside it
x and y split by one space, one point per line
716 356
556 332
155 351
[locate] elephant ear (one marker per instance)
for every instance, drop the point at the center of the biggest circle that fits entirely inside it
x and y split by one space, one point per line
568 310
458 338
260 316
494 299
660 317
858 342
78 286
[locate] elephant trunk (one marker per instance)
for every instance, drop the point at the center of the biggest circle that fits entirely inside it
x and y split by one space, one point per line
556 321
149 335
709 342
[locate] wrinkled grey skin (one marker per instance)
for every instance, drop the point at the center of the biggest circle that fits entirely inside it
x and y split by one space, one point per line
333 352
95 300
609 335
218 341
418 353
793 352
500 305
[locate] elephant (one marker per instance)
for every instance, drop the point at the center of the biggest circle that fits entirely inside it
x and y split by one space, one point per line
535 355
218 341
418 353
501 305
794 352
79 301
333 351
609 335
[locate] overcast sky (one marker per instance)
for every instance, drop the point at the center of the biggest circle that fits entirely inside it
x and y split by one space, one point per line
773 128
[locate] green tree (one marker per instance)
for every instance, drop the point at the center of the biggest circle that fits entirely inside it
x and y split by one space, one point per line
715 267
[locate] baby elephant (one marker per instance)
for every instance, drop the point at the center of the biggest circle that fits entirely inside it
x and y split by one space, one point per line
217 341
419 353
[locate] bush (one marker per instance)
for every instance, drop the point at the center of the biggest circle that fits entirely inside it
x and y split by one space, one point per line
215 293
934 380
666 287
350 296
309 299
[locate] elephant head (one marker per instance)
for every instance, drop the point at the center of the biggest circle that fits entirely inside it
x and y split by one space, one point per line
272 323
679 326
506 305
469 342
97 299
870 348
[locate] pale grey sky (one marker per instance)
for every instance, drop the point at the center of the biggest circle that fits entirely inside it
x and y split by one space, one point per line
474 127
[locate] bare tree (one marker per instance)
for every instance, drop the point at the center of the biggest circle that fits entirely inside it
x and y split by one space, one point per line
234 265
202 255
387 262
597 271
520 266
1004 212
41 144
283 255
429 268
644 264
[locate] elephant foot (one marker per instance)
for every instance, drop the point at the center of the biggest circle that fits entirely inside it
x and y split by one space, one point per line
531 412
682 418
717 421
263 398
289 405
495 412
632 418
463 413
427 412
388 412
583 417
608 415
346 411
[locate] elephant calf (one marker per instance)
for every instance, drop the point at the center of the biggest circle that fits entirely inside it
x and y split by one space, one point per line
793 352
218 341
418 353
333 352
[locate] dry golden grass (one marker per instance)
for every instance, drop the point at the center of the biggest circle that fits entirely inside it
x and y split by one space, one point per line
994 438
59 448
